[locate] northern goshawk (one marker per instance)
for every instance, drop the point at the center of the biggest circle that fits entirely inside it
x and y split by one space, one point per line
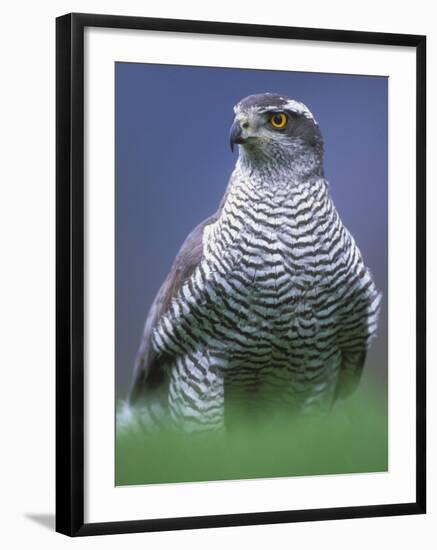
268 302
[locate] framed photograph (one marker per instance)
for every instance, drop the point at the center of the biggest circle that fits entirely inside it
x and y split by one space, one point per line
240 274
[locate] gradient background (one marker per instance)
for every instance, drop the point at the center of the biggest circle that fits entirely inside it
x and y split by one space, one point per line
173 163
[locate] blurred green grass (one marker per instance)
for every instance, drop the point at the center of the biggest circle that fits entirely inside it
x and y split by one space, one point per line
351 439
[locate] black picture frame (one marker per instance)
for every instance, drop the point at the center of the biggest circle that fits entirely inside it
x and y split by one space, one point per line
70 273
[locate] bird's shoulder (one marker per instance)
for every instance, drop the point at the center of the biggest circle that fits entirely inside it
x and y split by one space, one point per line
188 258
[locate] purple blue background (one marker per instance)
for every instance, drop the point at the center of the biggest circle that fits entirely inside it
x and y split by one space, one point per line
173 163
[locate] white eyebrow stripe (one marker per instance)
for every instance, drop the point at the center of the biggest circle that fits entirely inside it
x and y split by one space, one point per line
290 104
299 108
271 108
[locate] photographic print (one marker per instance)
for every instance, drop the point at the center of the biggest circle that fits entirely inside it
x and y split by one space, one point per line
240 274
251 213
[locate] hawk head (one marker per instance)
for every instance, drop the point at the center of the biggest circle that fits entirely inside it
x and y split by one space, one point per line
275 129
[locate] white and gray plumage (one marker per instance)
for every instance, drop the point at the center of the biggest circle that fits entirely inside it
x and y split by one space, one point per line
268 300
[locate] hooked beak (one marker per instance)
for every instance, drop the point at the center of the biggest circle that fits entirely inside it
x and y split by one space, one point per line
236 135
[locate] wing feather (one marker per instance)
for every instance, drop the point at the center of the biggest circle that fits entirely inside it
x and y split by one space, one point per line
149 369
350 373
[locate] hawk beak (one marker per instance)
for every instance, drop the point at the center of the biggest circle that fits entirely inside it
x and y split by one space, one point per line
236 135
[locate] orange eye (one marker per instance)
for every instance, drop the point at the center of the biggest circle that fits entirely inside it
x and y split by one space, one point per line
279 120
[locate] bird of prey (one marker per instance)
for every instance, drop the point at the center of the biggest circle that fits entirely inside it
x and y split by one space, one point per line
268 300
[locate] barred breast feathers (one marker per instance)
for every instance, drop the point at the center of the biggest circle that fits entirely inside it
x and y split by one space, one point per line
293 232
